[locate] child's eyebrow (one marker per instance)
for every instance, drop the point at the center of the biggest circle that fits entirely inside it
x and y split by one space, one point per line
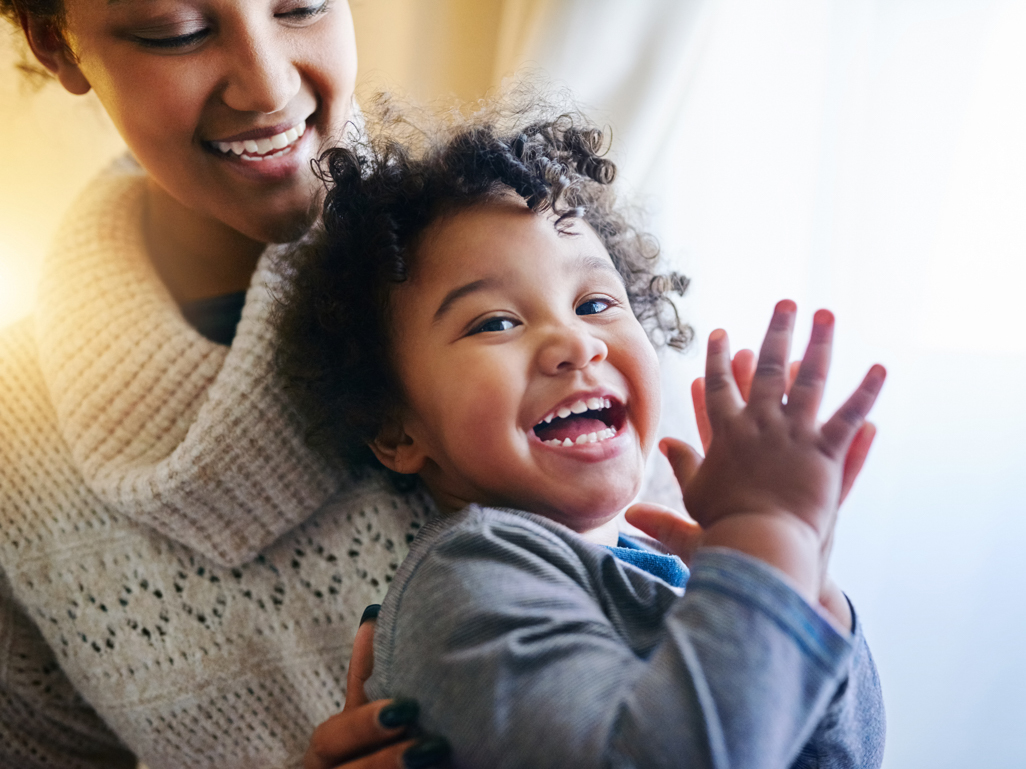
584 264
458 293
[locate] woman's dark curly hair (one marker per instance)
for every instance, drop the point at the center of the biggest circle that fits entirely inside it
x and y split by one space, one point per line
382 194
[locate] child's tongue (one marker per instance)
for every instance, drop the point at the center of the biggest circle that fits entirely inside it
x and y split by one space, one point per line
570 427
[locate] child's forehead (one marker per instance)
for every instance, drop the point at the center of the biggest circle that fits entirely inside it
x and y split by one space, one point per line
503 235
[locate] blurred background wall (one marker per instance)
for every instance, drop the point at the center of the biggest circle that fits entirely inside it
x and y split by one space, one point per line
864 155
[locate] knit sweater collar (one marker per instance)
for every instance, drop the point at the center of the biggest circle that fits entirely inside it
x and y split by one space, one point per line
167 428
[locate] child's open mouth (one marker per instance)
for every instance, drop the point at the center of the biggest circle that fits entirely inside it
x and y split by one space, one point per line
588 420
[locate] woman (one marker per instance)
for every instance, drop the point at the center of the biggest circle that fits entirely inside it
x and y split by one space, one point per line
180 577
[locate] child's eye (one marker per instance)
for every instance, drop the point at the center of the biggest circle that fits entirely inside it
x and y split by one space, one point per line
494 324
594 306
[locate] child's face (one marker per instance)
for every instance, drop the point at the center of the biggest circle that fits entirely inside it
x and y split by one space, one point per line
504 326
185 79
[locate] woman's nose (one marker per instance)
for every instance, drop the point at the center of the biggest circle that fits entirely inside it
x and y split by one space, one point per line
570 348
263 77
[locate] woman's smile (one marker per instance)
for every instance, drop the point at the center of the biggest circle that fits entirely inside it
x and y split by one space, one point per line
223 102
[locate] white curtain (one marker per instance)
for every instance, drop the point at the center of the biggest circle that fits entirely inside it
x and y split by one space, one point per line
866 156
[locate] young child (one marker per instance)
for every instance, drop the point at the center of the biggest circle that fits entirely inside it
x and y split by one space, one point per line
477 311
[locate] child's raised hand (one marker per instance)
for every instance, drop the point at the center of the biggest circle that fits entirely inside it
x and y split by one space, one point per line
772 479
742 366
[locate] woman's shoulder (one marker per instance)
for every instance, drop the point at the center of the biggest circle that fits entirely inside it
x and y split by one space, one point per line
22 389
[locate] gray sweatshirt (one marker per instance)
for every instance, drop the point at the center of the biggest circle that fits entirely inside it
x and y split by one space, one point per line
527 646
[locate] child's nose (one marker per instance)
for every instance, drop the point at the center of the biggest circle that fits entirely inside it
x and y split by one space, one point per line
570 348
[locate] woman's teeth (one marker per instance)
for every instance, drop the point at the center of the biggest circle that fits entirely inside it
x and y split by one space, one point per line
601 435
263 149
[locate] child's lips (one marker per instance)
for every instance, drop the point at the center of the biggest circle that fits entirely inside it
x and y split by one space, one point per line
583 420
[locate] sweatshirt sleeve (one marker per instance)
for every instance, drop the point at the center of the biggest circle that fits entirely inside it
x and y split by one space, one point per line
44 723
502 637
851 733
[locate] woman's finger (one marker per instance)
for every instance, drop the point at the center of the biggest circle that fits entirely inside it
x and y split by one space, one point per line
361 662
358 731
806 392
856 456
770 378
409 754
722 397
839 431
680 535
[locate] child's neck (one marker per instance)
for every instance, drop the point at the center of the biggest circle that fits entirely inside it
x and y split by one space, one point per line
606 534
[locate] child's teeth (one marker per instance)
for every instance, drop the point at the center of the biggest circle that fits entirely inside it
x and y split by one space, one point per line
567 442
579 407
563 412
607 403
594 403
549 418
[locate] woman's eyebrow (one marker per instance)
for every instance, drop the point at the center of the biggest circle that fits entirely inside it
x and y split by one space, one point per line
458 293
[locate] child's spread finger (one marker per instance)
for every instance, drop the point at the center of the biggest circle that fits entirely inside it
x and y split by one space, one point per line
807 391
770 378
743 366
792 374
684 460
701 415
721 394
839 431
856 456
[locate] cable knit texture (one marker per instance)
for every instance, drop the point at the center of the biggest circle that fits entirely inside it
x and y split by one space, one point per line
180 577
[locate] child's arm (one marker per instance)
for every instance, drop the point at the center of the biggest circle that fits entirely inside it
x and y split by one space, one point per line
527 646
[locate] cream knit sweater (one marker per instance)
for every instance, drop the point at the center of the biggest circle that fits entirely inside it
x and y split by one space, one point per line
180 577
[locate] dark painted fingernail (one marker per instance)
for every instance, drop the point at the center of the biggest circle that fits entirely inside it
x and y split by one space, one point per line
398 713
427 752
371 612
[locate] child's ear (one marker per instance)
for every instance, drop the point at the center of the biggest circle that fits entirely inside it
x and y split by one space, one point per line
52 51
397 451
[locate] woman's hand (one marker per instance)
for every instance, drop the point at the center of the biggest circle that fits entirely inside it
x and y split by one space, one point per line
369 735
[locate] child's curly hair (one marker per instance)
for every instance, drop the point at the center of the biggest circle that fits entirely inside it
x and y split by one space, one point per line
382 194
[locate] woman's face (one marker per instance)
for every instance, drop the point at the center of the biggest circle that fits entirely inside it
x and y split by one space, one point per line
223 102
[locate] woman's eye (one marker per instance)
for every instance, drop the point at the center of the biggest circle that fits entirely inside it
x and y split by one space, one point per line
176 41
305 12
494 324
593 306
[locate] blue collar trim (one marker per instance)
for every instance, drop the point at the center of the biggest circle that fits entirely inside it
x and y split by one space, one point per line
669 568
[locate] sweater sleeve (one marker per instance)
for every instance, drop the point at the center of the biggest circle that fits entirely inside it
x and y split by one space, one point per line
499 635
851 734
44 723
